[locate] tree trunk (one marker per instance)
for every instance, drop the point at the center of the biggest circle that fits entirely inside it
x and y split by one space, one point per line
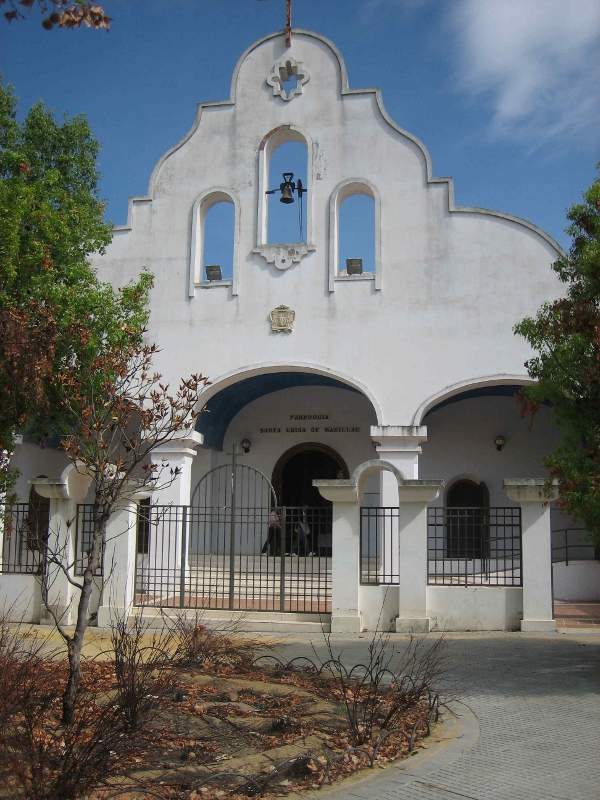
75 644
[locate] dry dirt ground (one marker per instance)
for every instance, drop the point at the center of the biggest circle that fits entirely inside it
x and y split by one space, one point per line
218 731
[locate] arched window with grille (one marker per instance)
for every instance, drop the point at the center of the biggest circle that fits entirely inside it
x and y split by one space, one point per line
38 521
467 504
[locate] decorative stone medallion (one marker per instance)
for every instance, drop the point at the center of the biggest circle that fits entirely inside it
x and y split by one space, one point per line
283 256
287 70
282 319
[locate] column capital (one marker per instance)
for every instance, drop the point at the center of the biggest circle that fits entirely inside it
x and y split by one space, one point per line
184 445
415 491
398 437
531 490
73 484
338 491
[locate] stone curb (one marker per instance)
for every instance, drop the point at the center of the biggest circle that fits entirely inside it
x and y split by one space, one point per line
458 733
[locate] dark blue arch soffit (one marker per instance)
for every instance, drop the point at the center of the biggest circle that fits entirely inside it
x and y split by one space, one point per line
504 390
222 408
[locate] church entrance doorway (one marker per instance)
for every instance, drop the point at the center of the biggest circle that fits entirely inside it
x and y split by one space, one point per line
298 467
307 512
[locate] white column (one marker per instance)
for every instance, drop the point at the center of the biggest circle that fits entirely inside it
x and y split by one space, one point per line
64 494
61 544
167 550
412 602
536 550
175 456
345 554
118 590
400 446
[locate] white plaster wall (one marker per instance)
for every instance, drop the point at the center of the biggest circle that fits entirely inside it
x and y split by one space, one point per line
474 608
20 597
453 283
578 581
378 607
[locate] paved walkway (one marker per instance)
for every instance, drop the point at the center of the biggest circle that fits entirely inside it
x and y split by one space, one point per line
537 701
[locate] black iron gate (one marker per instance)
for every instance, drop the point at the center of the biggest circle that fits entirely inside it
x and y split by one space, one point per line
234 548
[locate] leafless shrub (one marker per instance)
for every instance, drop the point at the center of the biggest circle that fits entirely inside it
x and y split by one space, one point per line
390 688
142 668
41 759
196 644
20 658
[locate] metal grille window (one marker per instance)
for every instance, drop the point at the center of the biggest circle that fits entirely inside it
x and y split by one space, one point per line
379 545
39 521
143 526
474 546
83 539
23 547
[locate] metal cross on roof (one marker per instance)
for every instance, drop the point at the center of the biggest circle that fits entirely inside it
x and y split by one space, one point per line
288 23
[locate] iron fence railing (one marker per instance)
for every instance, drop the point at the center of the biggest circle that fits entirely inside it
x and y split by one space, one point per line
84 532
474 546
23 540
379 545
465 546
235 557
573 544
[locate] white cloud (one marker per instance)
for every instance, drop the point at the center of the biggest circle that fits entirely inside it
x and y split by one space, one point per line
537 61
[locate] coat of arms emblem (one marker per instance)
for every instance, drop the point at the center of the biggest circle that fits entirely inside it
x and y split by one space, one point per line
282 319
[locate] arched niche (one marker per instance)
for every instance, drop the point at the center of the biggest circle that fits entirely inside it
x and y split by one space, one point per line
208 205
286 251
344 192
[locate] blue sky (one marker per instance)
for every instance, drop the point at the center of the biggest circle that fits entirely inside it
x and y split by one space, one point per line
503 93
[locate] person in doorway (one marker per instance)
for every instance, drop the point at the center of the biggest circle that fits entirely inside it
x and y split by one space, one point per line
302 535
272 546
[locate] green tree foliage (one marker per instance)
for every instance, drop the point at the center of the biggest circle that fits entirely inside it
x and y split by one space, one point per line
565 335
55 314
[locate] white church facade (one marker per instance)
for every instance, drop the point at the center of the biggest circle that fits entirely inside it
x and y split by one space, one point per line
361 458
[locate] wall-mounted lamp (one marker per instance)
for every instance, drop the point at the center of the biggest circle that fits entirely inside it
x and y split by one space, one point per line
246 444
213 272
354 266
500 441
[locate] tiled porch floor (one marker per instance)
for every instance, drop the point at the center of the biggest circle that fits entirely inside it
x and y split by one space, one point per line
577 615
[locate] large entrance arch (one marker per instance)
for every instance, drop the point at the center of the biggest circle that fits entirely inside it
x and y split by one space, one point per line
229 394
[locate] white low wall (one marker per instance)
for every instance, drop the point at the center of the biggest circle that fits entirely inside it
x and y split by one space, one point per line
474 608
20 594
580 580
378 607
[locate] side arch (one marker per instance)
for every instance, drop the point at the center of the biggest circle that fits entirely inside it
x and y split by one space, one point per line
473 387
373 465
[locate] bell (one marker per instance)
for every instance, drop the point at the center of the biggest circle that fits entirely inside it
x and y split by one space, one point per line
287 195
